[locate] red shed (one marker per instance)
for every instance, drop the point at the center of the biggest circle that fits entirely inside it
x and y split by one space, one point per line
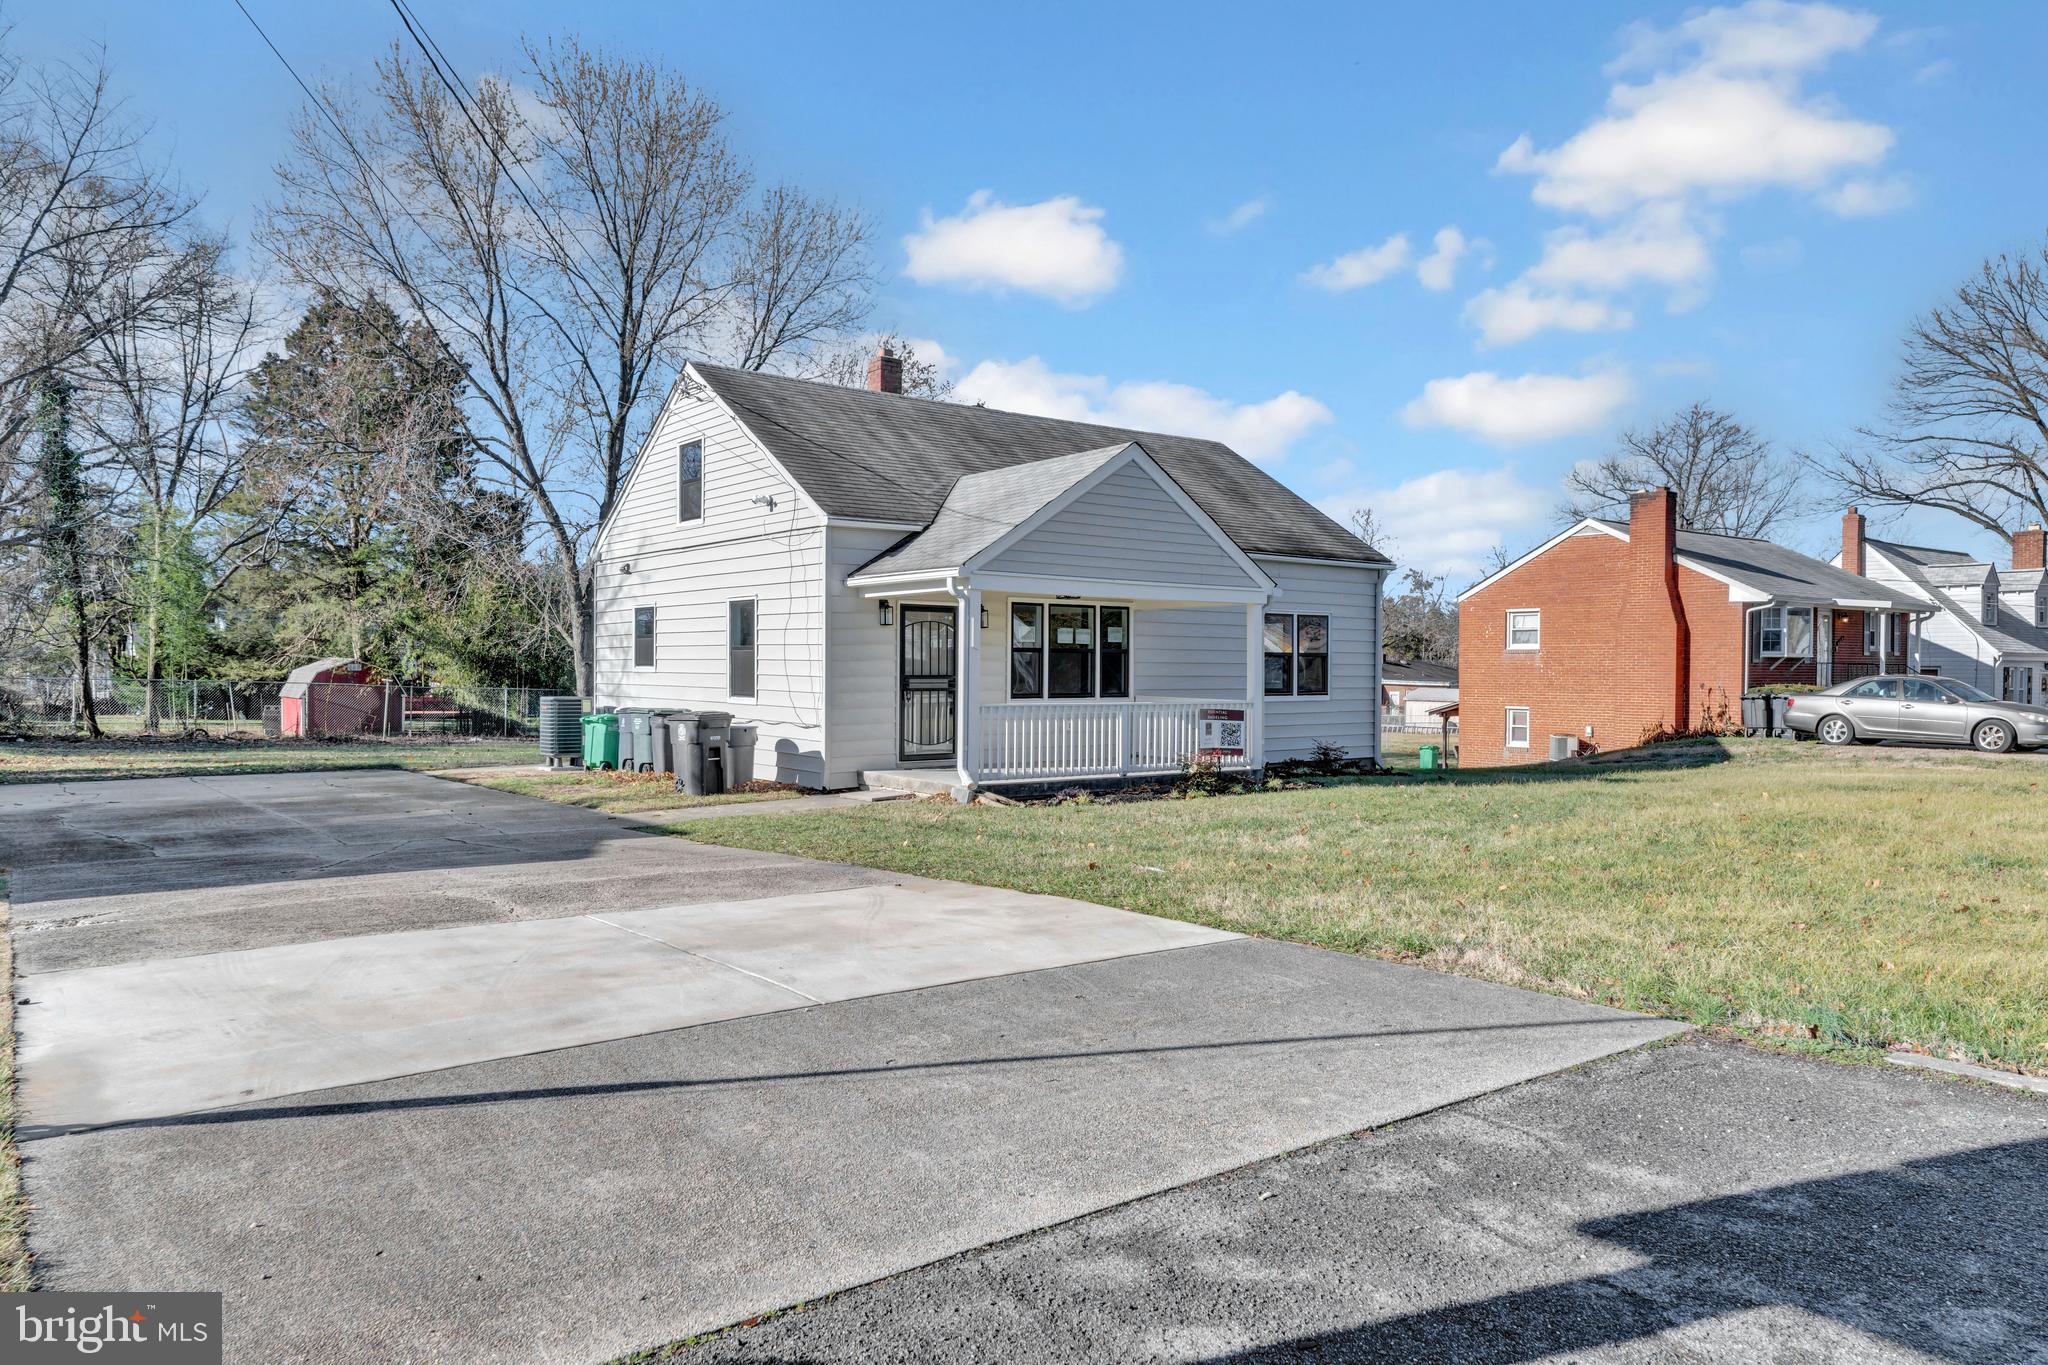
338 697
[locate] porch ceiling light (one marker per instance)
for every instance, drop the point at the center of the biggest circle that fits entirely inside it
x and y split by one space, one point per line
888 612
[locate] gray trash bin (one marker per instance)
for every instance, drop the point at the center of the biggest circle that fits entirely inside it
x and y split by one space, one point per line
629 741
684 758
659 756
700 739
739 755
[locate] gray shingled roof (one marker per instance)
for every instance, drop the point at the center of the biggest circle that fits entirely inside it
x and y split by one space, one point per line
1778 572
885 457
1405 671
985 507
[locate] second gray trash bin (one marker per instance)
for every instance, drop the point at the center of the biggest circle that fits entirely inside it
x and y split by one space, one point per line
739 755
700 739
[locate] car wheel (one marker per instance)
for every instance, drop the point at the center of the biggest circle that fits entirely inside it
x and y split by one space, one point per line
1835 730
1992 737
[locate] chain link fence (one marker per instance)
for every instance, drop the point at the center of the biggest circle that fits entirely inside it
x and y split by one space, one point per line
317 710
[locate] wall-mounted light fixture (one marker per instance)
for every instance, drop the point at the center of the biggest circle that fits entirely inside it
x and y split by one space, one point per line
984 618
888 612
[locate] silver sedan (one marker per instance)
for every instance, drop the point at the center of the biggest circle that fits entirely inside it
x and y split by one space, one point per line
1905 706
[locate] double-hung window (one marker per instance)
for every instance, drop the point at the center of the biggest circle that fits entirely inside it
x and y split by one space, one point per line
690 482
1870 620
1518 727
1990 613
1784 632
1297 648
1065 650
739 647
1525 630
643 637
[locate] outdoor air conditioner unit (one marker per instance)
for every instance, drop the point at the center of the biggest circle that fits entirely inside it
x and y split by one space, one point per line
1563 747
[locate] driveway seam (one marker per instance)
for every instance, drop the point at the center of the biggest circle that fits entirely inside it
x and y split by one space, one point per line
706 957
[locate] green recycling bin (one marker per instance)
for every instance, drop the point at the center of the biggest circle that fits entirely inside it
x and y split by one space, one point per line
1432 758
601 741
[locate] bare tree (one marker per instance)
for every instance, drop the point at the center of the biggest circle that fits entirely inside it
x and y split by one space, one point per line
1422 622
1968 417
81 214
173 344
569 244
1724 477
1369 527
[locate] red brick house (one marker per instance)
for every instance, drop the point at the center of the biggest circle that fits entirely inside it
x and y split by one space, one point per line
1613 631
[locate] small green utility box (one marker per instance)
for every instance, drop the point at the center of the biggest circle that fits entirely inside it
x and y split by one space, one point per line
601 741
1432 758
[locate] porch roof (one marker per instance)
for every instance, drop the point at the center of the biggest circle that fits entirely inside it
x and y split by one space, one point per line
983 508
1776 574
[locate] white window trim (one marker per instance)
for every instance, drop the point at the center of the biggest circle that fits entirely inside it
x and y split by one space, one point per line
653 638
703 504
725 625
1784 617
1513 612
1294 692
1527 728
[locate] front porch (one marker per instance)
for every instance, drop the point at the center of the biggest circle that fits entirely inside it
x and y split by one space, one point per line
1821 644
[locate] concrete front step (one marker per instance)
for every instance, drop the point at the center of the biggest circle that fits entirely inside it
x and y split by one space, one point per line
914 781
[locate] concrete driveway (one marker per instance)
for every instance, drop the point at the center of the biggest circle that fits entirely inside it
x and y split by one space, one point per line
410 1069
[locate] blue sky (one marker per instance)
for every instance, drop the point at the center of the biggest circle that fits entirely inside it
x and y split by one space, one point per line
1404 257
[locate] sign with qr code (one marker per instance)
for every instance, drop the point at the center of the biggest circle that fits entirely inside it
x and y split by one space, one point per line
1222 734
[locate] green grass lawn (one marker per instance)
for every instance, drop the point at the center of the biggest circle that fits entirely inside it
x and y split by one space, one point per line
1830 900
64 760
619 793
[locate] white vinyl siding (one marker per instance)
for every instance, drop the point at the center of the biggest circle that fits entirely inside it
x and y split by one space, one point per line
863 693
690 574
1125 528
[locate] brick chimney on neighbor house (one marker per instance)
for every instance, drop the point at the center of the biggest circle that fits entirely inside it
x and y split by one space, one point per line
1657 651
2029 548
1852 541
885 371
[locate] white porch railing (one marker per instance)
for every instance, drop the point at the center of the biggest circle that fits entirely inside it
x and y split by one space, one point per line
1048 740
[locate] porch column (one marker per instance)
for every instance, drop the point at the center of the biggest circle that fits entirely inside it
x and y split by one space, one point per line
1255 684
966 691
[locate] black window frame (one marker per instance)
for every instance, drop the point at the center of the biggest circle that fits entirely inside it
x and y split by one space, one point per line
1105 650
1290 659
1055 652
1031 654
643 637
735 651
690 485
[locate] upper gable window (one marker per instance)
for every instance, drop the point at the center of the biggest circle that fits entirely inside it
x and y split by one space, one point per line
1990 606
690 482
1525 630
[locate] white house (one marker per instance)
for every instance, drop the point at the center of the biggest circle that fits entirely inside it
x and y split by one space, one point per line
896 590
1988 626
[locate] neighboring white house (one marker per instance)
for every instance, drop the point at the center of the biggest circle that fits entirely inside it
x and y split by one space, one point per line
884 583
1419 708
1990 625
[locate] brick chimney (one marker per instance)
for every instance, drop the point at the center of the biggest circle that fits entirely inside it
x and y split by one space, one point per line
2028 548
1852 541
1657 653
885 371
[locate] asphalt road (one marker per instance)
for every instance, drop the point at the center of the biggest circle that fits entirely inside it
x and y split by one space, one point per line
1692 1202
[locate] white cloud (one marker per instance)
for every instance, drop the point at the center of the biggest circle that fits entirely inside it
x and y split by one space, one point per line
1056 248
1868 198
1467 512
1240 218
1530 407
1781 253
1763 35
1368 265
1696 132
1439 269
1261 431
1518 312
1658 244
